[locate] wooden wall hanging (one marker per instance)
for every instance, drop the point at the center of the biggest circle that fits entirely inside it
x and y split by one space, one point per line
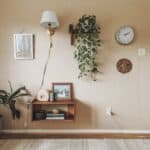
124 65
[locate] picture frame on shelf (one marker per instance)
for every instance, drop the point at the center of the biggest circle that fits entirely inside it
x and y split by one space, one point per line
23 46
62 91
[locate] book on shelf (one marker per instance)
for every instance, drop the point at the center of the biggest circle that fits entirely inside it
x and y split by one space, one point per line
55 118
55 115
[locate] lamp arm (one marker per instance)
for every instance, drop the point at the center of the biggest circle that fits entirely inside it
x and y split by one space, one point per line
47 61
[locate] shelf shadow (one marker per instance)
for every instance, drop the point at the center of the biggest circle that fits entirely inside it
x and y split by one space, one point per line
83 115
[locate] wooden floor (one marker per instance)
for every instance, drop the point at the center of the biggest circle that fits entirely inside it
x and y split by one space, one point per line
76 144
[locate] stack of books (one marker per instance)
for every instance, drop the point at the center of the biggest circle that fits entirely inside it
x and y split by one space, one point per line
52 116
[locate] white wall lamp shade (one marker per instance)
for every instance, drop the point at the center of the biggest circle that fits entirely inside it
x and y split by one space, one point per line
49 19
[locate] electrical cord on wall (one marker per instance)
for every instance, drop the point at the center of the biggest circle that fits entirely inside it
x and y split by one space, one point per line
46 64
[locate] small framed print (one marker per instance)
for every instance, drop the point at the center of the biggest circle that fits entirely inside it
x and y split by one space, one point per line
62 91
23 46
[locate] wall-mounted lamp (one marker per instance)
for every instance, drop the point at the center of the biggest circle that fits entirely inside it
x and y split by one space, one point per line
50 22
73 31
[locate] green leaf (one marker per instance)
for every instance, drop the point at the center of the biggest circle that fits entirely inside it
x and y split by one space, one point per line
11 89
86 45
16 92
3 92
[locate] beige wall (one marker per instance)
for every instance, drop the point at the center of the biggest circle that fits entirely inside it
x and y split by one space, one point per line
127 94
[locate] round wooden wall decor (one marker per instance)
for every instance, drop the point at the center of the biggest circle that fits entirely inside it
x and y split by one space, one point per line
124 65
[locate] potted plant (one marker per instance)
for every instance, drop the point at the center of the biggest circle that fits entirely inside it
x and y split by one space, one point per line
10 98
87 43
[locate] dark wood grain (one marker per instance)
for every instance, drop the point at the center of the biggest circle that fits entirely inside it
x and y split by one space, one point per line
73 136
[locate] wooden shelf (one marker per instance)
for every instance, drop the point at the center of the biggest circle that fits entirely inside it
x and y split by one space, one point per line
37 106
61 102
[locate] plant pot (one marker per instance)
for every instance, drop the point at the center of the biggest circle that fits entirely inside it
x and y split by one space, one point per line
1 122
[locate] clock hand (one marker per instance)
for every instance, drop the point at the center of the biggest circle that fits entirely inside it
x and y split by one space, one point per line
126 33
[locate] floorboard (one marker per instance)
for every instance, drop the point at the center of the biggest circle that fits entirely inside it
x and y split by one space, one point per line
76 144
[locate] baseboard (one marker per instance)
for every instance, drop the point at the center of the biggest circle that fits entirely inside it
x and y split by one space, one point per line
74 133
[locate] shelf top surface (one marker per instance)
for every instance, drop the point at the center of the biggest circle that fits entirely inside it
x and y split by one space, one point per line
60 102
66 120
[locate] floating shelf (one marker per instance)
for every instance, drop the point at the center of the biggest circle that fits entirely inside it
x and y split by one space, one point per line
37 106
60 102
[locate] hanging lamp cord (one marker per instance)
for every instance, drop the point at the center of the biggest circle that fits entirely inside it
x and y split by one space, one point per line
46 64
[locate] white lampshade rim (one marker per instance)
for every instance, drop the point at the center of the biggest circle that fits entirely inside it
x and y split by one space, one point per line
49 19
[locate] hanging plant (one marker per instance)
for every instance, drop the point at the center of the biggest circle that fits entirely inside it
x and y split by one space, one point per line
87 43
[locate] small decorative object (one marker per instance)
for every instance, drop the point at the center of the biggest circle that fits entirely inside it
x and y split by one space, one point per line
55 111
51 96
43 95
40 115
124 65
23 46
9 98
62 91
86 33
125 35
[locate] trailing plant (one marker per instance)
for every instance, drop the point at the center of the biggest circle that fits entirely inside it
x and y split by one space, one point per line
9 98
87 43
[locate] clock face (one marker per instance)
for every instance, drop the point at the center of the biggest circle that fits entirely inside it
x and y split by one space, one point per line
125 35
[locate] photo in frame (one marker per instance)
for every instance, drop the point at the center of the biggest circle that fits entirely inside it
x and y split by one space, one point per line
23 46
62 91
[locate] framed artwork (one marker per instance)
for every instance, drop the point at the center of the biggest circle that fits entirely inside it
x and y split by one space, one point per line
62 91
23 46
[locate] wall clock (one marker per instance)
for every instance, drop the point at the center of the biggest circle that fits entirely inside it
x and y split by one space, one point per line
124 65
125 35
43 95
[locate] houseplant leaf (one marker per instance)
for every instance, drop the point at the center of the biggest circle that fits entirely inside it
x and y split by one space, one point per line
87 43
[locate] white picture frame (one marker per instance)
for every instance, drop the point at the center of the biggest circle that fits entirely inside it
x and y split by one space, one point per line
23 46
